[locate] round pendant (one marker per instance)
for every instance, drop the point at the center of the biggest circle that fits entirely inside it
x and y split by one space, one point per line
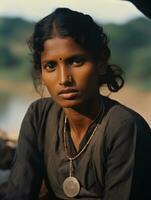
71 186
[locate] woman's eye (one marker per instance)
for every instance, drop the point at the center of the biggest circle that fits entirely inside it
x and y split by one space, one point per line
50 66
78 61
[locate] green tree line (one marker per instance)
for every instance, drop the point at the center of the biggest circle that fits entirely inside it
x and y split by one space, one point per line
130 45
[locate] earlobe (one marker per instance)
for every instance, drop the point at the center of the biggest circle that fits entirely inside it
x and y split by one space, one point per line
42 81
102 67
42 88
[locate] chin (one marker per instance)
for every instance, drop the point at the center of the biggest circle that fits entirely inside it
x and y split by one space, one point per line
70 103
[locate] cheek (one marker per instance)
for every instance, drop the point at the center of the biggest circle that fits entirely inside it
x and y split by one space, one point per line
46 77
88 77
49 82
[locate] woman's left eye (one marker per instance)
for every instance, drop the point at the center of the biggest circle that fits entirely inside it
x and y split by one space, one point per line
78 61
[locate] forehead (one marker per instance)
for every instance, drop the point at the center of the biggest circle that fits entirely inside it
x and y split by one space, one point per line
61 47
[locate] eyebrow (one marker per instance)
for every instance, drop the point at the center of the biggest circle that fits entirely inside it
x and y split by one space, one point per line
76 56
68 59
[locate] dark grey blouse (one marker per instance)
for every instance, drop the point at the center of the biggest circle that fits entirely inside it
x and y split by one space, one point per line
116 165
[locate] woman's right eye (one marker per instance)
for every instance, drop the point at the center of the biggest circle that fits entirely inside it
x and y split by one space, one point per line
50 66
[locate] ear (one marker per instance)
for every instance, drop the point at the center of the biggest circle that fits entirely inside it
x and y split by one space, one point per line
102 67
42 80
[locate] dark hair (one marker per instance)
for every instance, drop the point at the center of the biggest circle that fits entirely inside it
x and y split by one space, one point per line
64 22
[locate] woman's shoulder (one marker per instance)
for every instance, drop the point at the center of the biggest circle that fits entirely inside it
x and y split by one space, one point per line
39 107
122 124
41 104
119 115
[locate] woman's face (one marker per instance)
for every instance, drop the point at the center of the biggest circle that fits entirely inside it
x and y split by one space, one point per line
68 72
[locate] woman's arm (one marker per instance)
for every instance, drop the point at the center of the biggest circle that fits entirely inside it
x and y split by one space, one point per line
141 183
27 170
125 166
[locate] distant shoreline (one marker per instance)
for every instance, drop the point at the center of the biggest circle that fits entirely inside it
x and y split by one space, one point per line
16 87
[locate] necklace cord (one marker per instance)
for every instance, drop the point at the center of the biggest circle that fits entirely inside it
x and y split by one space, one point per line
83 149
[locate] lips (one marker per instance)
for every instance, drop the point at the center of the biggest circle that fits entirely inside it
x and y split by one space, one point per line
68 93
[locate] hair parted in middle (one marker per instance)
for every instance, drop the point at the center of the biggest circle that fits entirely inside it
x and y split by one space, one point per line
64 22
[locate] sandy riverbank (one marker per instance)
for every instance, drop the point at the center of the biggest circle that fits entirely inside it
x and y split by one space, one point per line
136 99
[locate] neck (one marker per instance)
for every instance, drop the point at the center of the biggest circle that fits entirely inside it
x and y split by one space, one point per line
81 117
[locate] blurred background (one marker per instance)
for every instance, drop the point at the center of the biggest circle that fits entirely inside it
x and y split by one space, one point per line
129 33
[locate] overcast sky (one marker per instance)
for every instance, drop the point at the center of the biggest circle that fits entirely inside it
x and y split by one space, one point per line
116 11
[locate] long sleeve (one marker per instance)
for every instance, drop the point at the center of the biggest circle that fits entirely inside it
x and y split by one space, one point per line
27 170
141 183
123 158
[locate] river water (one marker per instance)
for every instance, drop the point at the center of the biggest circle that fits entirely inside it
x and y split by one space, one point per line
12 111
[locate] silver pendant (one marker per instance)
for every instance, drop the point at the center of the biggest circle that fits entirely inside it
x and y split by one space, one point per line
71 186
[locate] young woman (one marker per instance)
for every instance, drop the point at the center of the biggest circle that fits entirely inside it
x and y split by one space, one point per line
82 144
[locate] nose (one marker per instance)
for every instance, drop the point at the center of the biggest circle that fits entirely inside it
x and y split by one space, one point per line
65 77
